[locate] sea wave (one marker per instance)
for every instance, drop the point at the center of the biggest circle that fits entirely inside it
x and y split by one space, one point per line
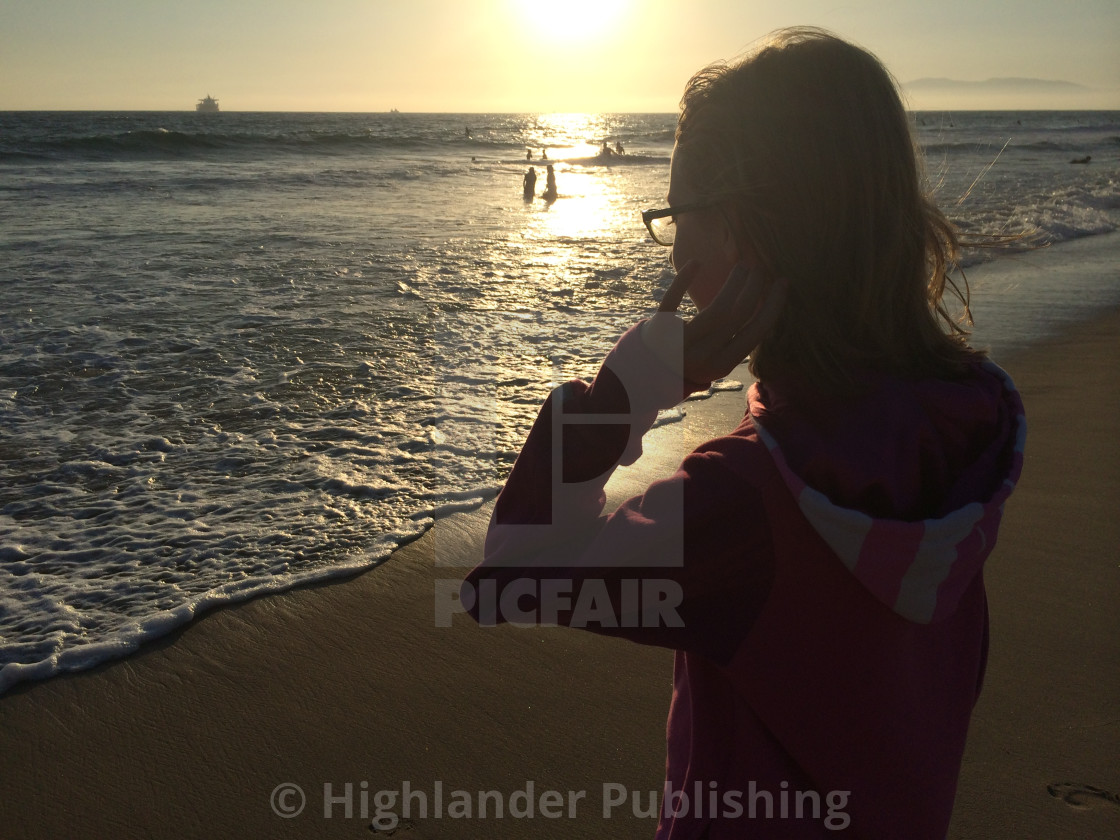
1067 145
1060 215
167 143
164 142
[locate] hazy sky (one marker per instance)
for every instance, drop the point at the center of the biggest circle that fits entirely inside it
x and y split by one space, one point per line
514 55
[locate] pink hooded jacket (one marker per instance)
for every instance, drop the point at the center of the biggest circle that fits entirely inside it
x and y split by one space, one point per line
818 571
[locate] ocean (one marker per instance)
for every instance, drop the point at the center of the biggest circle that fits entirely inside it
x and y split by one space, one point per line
241 352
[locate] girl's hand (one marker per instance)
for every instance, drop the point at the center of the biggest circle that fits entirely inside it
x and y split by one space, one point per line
734 324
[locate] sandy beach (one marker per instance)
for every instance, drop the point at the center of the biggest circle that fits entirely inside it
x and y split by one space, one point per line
255 719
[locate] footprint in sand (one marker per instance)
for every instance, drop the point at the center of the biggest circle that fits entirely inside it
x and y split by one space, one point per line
1082 796
403 830
403 826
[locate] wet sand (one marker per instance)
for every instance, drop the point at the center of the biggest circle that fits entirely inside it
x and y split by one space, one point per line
354 683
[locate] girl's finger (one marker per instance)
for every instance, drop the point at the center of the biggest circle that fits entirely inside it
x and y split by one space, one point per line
752 296
716 325
751 308
676 291
755 329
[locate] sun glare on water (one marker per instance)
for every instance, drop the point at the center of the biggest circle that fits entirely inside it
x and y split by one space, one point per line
573 22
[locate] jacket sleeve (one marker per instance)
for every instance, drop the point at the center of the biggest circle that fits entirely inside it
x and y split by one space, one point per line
685 565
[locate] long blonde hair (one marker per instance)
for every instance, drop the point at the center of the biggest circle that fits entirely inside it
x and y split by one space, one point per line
807 146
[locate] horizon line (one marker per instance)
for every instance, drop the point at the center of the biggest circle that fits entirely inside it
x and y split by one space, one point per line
399 113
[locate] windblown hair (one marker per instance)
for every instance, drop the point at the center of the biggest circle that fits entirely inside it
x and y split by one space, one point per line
808 148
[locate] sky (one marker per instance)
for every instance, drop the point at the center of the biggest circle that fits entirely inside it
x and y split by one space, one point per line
462 56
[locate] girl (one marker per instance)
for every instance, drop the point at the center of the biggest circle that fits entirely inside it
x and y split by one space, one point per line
819 569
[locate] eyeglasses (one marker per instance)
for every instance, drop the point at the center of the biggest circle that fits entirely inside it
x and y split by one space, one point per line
661 224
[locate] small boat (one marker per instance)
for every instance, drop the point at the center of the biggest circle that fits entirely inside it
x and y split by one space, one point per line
209 105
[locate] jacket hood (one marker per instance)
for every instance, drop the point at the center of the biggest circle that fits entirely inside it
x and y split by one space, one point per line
905 483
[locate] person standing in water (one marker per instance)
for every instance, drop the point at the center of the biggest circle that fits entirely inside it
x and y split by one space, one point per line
529 184
818 570
550 185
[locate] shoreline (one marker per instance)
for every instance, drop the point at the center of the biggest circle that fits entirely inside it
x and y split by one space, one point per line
1087 266
351 681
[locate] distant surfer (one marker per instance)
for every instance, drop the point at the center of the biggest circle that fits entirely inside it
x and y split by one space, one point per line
618 150
529 185
467 131
528 154
1085 159
550 185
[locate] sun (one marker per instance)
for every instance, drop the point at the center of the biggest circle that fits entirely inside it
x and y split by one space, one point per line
572 22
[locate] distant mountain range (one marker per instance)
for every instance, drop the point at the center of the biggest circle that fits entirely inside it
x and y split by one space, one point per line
998 85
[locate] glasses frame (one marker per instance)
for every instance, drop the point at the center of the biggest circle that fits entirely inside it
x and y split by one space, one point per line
649 216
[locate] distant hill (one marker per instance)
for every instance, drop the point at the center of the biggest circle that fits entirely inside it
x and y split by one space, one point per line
998 85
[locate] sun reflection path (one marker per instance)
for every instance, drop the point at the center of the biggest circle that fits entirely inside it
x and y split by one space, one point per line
589 202
588 205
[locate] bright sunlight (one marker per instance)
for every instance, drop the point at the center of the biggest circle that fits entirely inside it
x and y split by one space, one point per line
572 22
